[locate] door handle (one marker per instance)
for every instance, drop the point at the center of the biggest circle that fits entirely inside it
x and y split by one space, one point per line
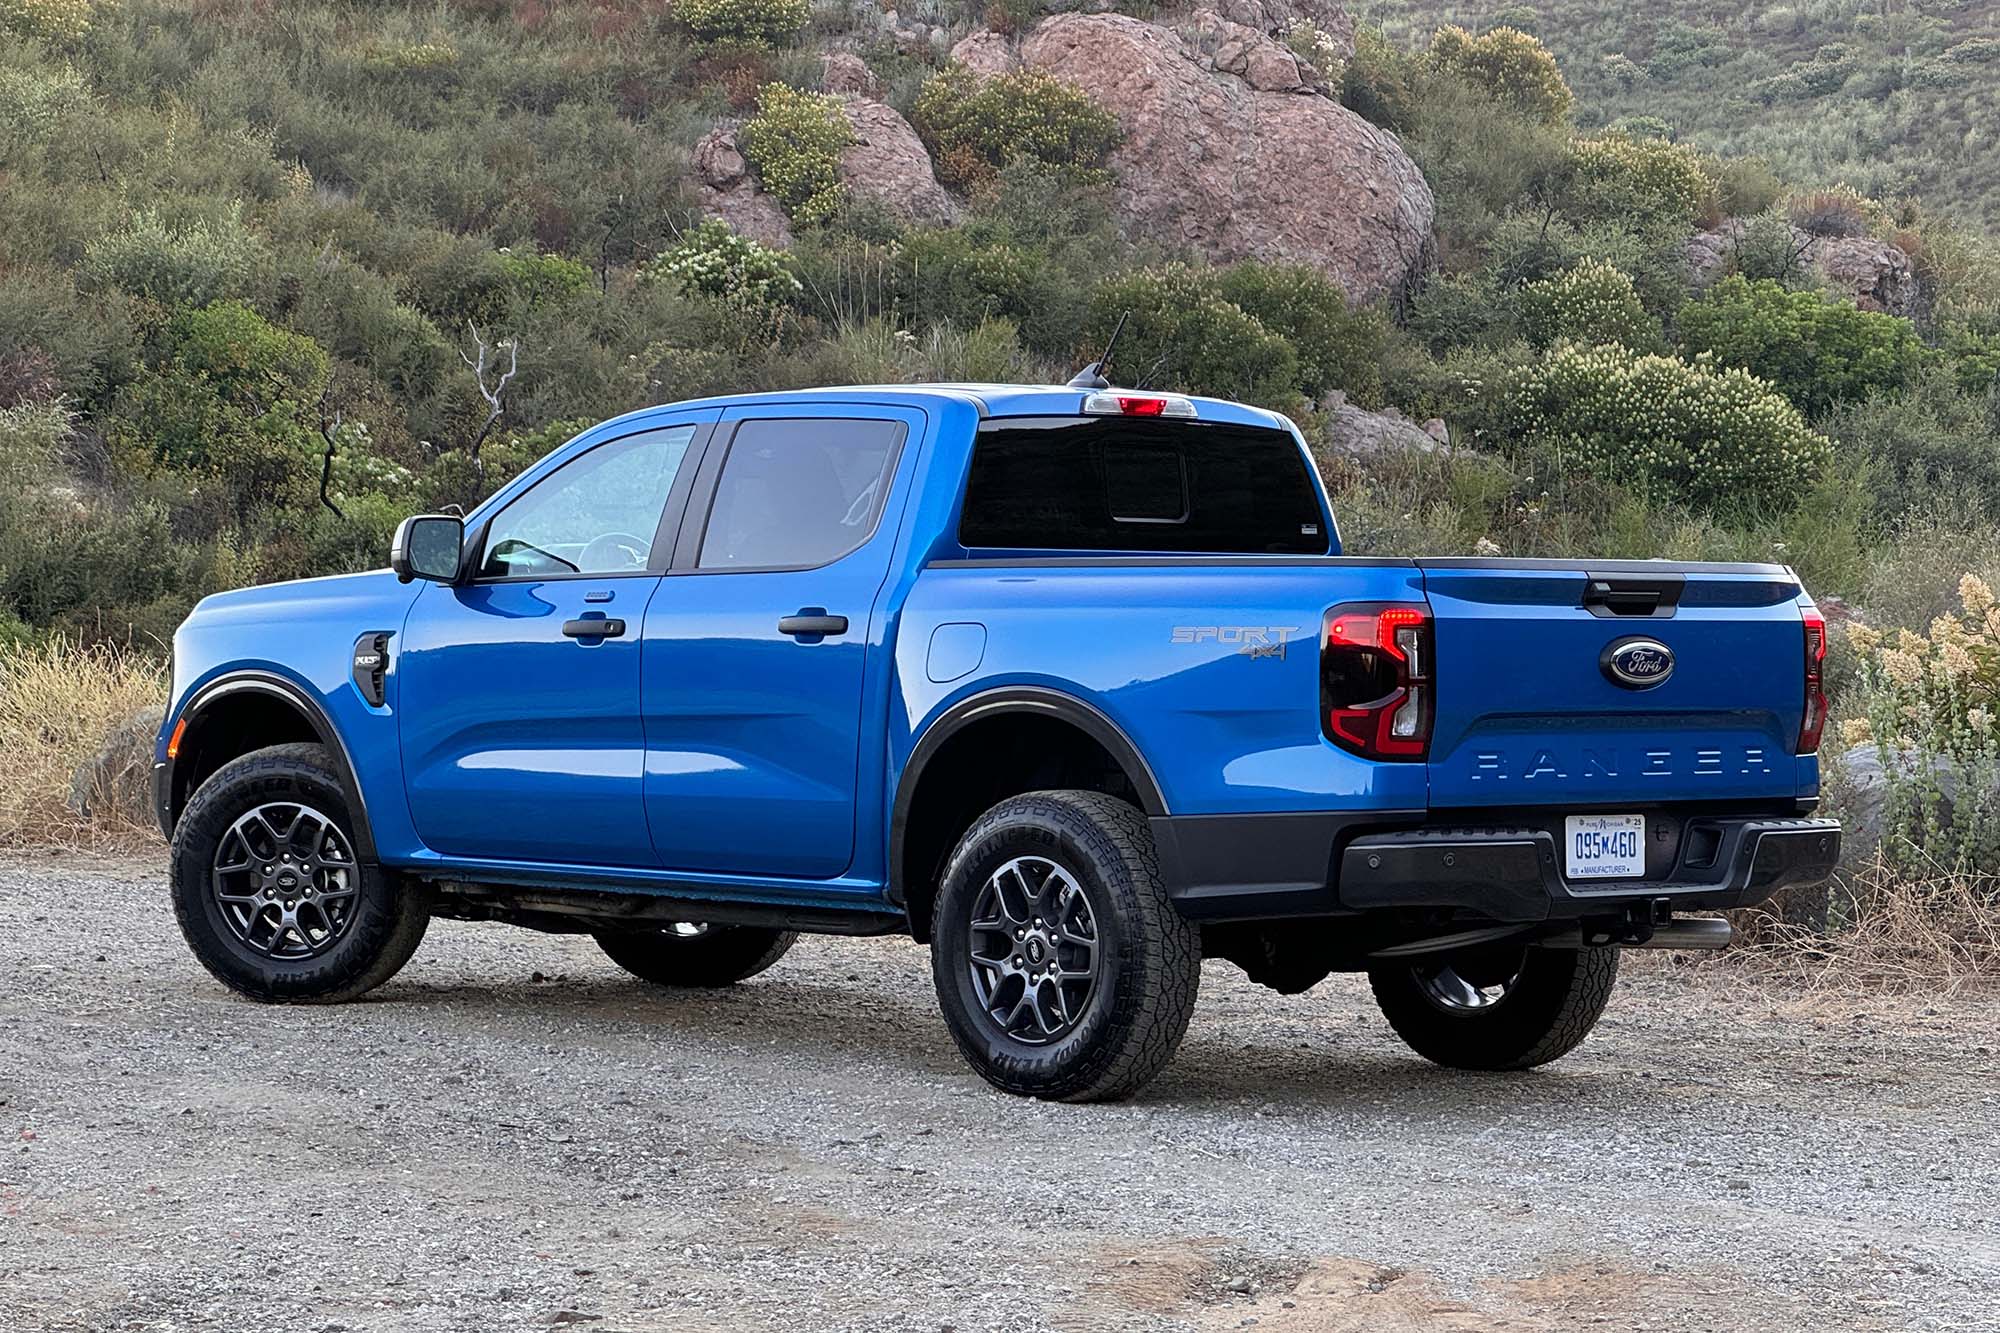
594 627
812 624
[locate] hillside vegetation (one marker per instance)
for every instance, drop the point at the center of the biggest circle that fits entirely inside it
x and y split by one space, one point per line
1894 98
274 275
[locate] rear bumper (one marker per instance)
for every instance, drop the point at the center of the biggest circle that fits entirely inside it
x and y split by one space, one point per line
1258 867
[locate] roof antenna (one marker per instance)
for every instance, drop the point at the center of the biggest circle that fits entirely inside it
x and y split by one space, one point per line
1091 377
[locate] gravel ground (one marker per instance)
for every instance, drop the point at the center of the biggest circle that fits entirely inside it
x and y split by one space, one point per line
514 1134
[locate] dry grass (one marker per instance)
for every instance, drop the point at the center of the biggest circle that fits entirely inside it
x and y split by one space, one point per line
58 703
1892 931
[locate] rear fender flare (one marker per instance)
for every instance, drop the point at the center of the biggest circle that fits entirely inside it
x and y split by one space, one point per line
1023 699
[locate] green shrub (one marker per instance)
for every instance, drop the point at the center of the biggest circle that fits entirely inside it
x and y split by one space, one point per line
1594 302
1382 83
1461 310
1336 347
235 402
31 438
1618 177
1936 439
752 25
1509 66
794 142
1744 185
712 260
975 126
1710 438
1815 350
191 263
543 280
1182 333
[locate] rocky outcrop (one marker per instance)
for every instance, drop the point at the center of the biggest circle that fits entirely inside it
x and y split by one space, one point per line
1355 432
1877 275
986 52
1251 55
115 785
1220 156
848 74
1275 18
887 165
725 188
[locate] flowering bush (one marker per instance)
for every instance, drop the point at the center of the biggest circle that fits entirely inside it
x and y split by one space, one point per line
1509 66
1931 706
63 20
712 260
975 126
1712 438
745 25
1594 302
794 141
1617 176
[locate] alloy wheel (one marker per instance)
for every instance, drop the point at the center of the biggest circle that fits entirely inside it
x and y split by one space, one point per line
1033 950
286 880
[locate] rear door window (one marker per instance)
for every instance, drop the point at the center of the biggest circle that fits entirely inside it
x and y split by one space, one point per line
799 493
1127 484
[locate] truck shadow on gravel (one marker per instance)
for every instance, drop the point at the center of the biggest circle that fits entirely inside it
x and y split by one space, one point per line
842 1030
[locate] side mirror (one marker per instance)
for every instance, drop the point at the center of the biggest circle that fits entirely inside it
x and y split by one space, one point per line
428 546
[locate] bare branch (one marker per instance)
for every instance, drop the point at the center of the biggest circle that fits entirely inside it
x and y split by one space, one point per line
329 430
494 395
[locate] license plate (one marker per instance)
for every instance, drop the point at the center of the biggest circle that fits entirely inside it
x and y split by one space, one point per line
1605 846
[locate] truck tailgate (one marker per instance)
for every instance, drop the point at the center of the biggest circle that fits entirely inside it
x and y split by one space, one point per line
1551 689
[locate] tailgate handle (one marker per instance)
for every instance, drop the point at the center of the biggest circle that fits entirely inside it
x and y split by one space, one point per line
1632 597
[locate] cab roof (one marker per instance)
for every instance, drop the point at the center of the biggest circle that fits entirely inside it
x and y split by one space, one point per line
990 400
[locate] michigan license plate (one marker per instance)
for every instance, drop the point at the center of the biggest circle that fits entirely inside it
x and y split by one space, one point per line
1605 846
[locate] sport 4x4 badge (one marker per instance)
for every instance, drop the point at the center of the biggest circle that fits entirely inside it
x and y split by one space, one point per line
1249 640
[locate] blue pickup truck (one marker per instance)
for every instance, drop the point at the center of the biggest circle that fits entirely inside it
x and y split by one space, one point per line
1072 684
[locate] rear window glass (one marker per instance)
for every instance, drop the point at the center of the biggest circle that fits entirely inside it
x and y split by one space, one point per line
1124 484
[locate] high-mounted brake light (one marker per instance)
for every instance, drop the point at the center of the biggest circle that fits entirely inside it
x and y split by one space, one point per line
1814 721
1114 403
1375 680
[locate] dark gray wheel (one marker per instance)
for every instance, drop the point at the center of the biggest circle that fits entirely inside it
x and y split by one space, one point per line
1032 950
1496 1008
695 953
270 892
1062 969
286 879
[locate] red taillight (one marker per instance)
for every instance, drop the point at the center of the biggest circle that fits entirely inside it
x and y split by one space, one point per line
1814 721
1375 680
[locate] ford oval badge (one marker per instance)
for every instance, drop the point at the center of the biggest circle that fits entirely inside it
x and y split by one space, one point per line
1637 664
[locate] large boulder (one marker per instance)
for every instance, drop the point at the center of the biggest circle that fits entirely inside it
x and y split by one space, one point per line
115 785
885 164
726 188
888 165
1878 276
1229 168
1355 432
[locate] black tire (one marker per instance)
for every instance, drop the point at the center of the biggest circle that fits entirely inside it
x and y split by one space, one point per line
1547 1010
384 917
715 956
1145 960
